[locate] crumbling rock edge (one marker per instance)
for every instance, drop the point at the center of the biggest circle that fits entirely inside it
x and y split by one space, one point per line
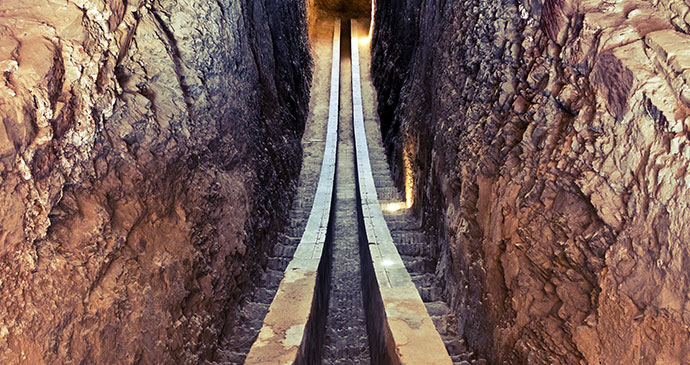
144 148
549 158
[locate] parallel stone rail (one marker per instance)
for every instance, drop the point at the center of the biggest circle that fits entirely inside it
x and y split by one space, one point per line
399 327
291 329
398 319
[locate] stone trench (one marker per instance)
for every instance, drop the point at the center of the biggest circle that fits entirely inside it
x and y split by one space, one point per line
159 163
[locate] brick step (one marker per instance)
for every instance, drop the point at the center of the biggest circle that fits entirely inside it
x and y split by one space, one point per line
382 175
286 249
298 221
278 263
251 317
302 204
430 293
299 209
252 312
306 191
271 278
414 264
387 189
294 232
311 167
423 279
411 249
389 196
309 181
409 237
226 357
263 295
381 172
461 359
437 308
402 221
456 346
444 324
467 358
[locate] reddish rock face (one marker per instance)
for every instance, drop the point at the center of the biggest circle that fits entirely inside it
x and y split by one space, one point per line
144 148
344 8
550 158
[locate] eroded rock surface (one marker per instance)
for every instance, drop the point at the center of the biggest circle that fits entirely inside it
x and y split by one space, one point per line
145 148
344 8
546 143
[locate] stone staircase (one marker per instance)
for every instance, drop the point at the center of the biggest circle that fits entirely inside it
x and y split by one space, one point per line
255 307
419 261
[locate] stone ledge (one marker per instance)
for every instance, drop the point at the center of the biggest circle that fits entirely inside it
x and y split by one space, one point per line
294 312
410 334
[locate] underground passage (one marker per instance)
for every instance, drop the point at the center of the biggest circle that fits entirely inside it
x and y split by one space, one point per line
344 182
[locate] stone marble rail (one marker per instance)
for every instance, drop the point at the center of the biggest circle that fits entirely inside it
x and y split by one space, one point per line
292 330
398 320
399 327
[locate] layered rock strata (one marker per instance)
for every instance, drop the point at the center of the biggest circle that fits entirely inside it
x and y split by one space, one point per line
145 148
544 144
343 8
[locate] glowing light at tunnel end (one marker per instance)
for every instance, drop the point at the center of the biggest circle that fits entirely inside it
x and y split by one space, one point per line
409 178
367 39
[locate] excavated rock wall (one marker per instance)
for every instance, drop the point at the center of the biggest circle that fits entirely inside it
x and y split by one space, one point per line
344 8
546 143
145 148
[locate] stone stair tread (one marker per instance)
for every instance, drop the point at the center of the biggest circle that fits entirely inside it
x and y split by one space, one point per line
459 360
400 217
285 250
264 295
410 249
423 279
272 278
231 357
415 264
437 308
251 309
278 263
454 345
429 294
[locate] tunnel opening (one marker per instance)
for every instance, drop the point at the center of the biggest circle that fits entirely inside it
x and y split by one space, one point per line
361 277
343 9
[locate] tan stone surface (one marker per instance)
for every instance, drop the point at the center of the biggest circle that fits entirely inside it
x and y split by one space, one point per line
283 328
412 334
415 338
345 8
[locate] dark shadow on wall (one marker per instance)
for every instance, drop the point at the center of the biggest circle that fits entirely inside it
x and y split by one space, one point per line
345 8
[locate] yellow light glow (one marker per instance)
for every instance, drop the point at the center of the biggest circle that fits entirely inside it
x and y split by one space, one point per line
394 207
371 18
386 262
409 179
367 39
